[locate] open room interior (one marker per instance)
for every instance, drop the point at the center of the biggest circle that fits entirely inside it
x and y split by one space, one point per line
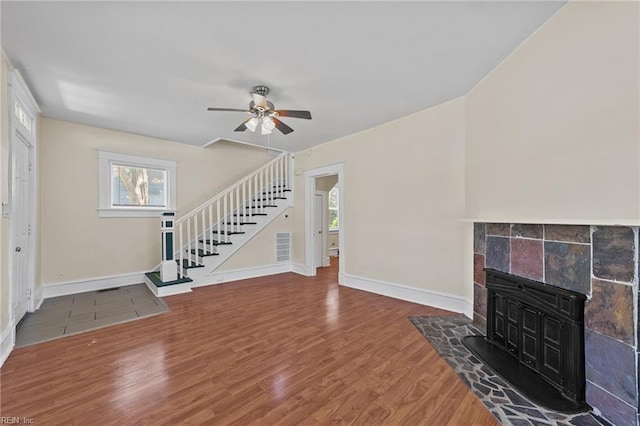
324 214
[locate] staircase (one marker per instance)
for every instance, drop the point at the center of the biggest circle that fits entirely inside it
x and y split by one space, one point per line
203 239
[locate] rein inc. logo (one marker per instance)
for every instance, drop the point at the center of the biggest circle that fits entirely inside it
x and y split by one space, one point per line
16 420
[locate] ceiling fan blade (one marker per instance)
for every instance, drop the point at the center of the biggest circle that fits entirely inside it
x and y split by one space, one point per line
294 113
242 127
259 100
228 109
281 126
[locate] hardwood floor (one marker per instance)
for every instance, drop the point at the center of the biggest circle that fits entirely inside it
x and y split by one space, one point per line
284 349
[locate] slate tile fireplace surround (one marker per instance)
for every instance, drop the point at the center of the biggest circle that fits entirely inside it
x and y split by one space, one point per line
600 262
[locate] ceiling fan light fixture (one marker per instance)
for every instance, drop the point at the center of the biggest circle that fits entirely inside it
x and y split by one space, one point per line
267 126
251 124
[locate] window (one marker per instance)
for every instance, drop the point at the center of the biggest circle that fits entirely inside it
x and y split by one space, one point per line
333 209
23 117
132 186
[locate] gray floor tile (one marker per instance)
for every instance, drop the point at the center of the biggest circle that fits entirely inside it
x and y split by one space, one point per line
144 310
102 298
114 311
91 325
89 316
138 289
80 304
114 304
73 314
142 298
35 334
45 317
48 304
82 310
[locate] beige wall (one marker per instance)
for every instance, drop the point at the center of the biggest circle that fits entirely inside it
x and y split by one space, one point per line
404 199
75 243
553 131
4 192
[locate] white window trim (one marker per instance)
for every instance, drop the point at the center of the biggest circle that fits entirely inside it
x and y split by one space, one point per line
106 159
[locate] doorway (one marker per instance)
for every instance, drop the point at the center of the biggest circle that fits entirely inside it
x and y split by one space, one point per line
320 225
316 220
22 206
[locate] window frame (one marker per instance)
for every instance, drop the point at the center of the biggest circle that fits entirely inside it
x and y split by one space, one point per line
107 159
337 209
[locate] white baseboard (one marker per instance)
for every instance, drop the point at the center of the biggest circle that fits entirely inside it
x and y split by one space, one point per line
326 261
421 296
39 298
299 268
91 284
242 274
333 251
7 342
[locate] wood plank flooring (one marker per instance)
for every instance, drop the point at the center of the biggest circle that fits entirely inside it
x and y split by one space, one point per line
284 349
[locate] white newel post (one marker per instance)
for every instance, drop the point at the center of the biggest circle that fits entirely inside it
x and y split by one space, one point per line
168 267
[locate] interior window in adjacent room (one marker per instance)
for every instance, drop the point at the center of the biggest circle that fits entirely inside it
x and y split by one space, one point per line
333 209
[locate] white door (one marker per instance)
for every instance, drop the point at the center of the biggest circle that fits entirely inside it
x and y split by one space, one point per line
21 214
23 120
318 230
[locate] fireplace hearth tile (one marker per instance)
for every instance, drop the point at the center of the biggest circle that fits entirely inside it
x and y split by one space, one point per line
498 253
506 405
499 229
527 259
610 310
568 233
613 253
568 266
479 276
610 364
526 231
479 237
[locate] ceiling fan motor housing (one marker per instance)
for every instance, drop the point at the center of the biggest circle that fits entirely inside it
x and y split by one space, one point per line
261 90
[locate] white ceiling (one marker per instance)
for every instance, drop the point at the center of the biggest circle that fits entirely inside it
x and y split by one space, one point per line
152 68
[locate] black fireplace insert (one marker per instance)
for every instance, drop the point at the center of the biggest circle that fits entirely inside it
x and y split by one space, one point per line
535 340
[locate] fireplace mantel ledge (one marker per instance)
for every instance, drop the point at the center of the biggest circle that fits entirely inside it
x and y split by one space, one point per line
595 222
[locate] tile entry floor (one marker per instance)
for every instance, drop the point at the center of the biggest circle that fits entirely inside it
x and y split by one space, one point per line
65 315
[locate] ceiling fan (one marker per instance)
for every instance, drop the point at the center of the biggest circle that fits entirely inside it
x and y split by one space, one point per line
264 113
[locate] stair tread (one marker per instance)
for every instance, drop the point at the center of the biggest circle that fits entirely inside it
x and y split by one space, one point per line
259 207
276 192
228 232
216 242
189 265
241 223
271 198
202 253
249 214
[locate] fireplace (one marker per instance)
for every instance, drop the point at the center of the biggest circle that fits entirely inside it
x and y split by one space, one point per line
535 339
601 262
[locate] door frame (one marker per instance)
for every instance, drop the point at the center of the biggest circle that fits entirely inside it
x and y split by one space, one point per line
19 92
309 194
325 227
